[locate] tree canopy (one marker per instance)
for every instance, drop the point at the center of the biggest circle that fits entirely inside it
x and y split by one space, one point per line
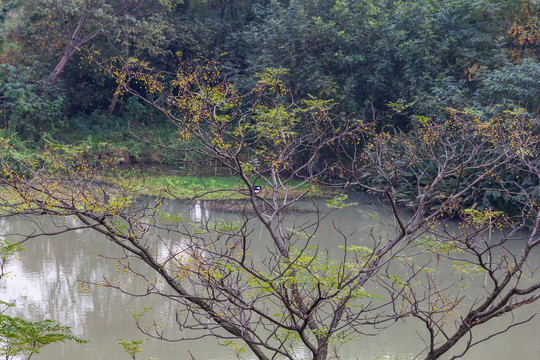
361 54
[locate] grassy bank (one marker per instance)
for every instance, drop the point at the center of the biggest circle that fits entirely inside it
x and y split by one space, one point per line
168 184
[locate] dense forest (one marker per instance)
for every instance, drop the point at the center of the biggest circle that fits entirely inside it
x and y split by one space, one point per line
425 55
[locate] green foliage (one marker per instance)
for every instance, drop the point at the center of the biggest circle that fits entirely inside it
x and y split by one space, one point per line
375 52
119 135
131 347
21 338
271 77
30 105
89 151
512 84
436 245
313 269
7 252
138 315
233 345
19 155
362 250
8 249
484 218
468 268
338 202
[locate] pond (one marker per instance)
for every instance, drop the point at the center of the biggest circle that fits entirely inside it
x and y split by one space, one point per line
45 285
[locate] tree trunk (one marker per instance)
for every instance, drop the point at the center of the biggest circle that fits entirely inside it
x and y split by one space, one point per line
59 68
71 48
322 353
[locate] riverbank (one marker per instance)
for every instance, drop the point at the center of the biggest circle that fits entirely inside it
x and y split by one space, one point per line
170 183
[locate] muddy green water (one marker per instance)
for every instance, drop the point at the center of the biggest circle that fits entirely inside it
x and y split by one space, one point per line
44 284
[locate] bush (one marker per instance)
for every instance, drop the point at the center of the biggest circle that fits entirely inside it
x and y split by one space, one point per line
18 155
31 105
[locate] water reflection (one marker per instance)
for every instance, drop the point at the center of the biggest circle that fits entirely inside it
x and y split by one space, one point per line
199 214
45 285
